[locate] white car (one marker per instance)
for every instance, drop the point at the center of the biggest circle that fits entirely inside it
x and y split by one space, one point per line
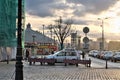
93 53
64 54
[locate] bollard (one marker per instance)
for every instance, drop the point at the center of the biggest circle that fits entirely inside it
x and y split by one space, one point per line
76 64
90 62
30 63
7 59
65 64
106 64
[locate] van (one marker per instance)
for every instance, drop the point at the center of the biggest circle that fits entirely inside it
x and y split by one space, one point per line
59 56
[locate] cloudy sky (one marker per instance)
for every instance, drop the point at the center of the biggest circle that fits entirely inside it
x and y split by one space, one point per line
82 12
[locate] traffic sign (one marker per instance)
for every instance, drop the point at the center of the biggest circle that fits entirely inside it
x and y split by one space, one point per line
85 39
85 46
85 29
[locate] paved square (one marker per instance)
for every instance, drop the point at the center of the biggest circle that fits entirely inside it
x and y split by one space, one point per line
58 72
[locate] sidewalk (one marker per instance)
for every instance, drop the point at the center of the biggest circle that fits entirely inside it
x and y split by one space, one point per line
7 71
58 72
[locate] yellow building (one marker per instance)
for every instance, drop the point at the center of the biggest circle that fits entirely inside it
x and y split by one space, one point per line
114 45
97 44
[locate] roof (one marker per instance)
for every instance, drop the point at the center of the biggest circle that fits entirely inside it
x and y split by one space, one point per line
38 37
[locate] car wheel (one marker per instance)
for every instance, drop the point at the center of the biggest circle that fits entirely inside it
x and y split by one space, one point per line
51 63
115 60
111 60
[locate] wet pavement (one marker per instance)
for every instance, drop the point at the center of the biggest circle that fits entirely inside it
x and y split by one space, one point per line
58 72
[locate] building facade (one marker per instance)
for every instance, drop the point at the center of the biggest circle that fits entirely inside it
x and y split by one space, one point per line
75 41
114 45
8 27
39 41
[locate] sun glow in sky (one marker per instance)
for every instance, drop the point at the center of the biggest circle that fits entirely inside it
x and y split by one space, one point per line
82 12
116 25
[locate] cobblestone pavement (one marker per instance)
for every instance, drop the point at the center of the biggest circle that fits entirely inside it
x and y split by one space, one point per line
59 72
7 71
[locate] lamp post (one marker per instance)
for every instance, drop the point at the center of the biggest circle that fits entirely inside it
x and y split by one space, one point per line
33 48
102 25
54 40
19 64
79 42
50 28
33 38
43 29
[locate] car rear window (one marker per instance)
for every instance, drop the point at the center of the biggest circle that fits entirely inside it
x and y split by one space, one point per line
70 53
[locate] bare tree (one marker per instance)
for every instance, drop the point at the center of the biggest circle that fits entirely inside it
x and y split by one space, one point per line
62 30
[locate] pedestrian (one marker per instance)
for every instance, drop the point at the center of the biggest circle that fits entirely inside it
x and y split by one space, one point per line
27 54
52 52
83 55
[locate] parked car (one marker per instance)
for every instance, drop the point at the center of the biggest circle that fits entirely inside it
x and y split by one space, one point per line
102 54
80 51
99 54
116 57
93 53
108 55
59 56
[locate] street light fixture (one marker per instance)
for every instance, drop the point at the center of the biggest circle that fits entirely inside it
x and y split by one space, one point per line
102 25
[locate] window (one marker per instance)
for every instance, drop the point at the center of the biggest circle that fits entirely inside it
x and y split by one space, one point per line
61 53
73 54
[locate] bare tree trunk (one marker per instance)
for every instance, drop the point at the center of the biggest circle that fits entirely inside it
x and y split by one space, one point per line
61 45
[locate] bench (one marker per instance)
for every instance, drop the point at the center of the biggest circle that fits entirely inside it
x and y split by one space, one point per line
41 60
87 63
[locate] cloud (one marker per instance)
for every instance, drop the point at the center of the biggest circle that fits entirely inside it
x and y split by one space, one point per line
92 6
39 8
80 22
44 8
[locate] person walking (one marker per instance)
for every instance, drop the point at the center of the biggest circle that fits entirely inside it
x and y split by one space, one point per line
27 54
83 55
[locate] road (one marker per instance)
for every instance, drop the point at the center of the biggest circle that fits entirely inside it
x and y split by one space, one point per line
98 63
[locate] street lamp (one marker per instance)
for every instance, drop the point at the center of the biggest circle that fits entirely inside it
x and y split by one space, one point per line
79 42
33 38
43 28
54 40
19 64
102 25
50 28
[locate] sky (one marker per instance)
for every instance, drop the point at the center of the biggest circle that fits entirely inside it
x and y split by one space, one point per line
84 13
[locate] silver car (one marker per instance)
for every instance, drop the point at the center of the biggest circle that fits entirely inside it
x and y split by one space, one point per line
59 56
108 55
116 57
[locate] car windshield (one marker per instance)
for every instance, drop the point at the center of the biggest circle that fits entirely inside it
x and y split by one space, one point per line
57 52
117 53
109 52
